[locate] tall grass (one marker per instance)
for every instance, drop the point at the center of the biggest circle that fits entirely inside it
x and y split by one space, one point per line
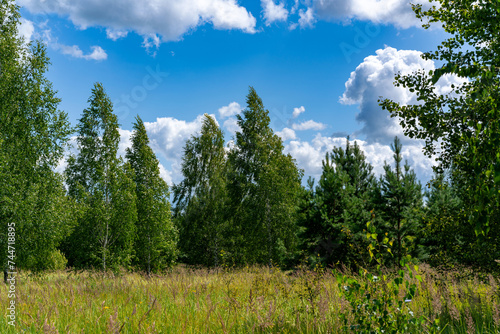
245 300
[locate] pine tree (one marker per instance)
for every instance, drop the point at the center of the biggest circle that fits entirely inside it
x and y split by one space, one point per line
99 181
156 238
341 206
33 135
264 187
401 203
201 198
444 215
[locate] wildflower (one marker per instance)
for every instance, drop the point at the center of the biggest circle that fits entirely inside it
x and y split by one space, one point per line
105 307
375 278
411 313
407 300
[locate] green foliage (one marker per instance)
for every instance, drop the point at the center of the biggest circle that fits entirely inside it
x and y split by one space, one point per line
444 217
462 126
56 261
33 134
263 187
156 238
201 198
377 305
103 186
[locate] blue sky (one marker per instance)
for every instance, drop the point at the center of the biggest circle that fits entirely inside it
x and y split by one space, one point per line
318 65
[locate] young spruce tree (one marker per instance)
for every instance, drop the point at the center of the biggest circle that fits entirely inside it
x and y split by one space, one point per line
99 181
156 239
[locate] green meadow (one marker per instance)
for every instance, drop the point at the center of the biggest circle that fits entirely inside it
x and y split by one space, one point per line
246 300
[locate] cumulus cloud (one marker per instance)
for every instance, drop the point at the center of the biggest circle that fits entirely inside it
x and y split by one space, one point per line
374 78
309 125
310 154
166 175
397 12
306 18
295 7
298 111
232 109
116 34
74 51
125 141
273 12
170 19
231 125
151 42
26 29
167 137
286 134
44 32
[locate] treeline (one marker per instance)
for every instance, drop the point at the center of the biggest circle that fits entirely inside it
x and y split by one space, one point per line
240 204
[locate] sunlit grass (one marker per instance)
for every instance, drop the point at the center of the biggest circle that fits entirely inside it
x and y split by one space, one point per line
246 300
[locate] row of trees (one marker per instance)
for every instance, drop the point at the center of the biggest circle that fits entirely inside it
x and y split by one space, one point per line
238 204
123 213
245 203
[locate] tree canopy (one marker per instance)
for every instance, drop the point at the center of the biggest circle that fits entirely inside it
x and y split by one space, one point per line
463 126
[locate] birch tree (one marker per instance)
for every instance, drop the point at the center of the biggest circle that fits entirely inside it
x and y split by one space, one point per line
155 243
102 184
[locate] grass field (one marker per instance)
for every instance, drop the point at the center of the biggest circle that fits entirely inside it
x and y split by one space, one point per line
245 300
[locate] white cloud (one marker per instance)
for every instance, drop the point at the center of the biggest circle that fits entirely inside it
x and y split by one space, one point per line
170 19
74 51
273 12
151 42
168 137
125 141
166 175
286 134
309 155
397 12
306 18
26 29
309 125
45 33
232 109
295 7
374 78
298 111
231 125
116 34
